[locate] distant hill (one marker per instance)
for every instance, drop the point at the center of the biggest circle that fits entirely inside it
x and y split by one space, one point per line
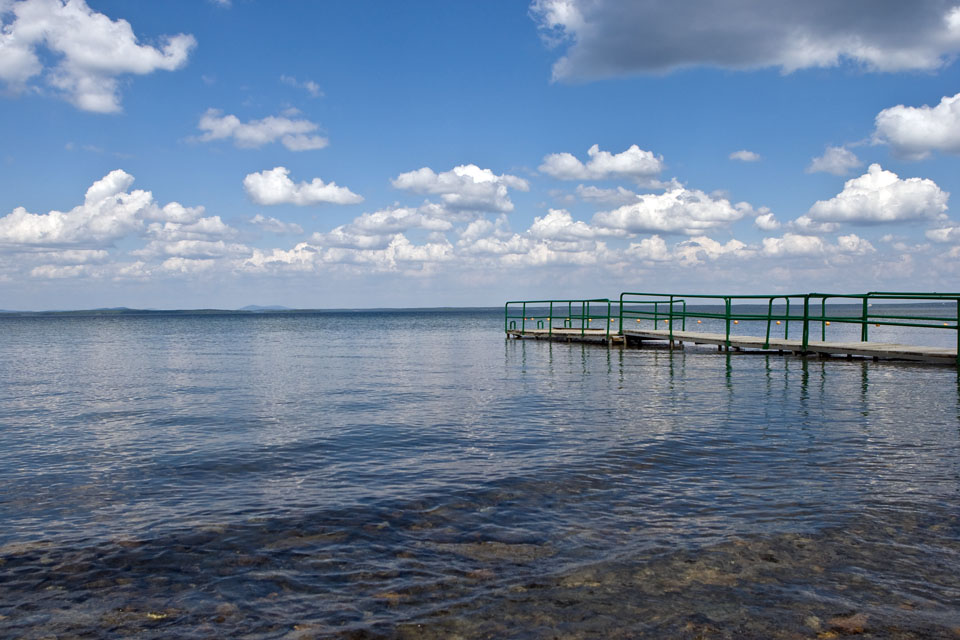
256 307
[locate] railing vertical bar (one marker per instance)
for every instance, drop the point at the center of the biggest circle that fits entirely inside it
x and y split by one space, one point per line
766 342
726 304
863 320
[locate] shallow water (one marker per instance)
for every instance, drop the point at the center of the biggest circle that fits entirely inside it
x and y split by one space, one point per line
416 474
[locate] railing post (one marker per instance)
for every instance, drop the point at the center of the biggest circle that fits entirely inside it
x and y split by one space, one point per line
683 323
550 320
608 320
656 314
726 305
786 323
670 322
957 329
863 321
620 325
806 322
523 320
766 342
823 319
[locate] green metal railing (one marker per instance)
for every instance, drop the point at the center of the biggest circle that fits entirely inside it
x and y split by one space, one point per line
574 314
672 309
729 316
866 318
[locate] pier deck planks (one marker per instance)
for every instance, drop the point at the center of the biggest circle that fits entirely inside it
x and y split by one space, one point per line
879 350
569 335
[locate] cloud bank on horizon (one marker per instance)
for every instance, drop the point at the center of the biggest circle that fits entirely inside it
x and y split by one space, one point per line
268 186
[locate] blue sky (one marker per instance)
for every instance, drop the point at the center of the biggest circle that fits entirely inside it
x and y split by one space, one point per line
359 154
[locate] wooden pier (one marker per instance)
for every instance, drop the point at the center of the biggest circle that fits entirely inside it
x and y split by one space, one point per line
580 321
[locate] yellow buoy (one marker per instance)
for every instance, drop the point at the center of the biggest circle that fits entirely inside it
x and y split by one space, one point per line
876 325
699 321
613 319
778 322
666 322
828 323
736 322
638 319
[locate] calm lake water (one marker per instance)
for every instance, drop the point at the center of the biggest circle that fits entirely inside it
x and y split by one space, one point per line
414 474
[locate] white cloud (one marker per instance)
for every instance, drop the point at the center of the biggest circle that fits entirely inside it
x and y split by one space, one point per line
914 132
616 196
880 196
745 156
944 234
675 211
609 37
766 222
633 163
464 188
192 249
274 186
79 52
293 134
797 245
836 160
688 252
309 86
107 214
807 225
701 249
273 225
560 225
201 229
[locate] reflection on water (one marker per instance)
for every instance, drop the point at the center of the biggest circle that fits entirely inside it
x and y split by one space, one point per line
414 474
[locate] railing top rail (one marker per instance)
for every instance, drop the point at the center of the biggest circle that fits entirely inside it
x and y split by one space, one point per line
558 300
889 295
713 296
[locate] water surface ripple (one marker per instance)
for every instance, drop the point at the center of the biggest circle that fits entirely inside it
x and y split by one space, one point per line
413 474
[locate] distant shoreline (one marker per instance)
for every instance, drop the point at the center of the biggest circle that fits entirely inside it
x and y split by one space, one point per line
117 312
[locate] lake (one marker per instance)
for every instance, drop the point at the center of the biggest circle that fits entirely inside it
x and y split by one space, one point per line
415 474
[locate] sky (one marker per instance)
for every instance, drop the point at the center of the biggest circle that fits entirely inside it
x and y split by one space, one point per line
223 153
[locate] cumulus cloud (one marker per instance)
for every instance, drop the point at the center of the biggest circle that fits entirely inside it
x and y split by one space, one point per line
633 163
766 222
836 160
464 188
616 196
675 211
79 52
914 132
293 134
690 252
273 225
107 214
560 225
881 196
608 37
745 156
944 234
111 211
274 186
795 245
